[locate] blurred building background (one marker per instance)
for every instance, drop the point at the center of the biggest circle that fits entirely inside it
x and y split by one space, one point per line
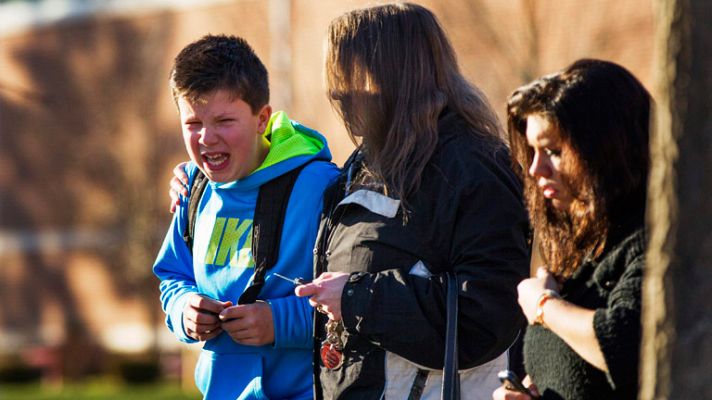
89 135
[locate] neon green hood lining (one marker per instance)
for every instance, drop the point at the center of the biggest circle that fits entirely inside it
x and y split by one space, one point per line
286 141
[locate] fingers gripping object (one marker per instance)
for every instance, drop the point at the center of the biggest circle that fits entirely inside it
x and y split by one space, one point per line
300 281
511 381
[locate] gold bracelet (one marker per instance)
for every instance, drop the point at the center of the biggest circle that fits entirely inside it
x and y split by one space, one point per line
543 298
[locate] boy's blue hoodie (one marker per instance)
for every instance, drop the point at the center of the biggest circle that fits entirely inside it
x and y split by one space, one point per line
222 266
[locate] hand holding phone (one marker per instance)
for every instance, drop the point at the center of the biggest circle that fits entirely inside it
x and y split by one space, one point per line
511 381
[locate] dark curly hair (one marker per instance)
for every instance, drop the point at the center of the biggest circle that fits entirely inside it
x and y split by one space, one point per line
602 113
220 62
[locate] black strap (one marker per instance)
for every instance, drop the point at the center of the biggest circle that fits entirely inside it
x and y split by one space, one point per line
416 391
451 377
270 210
200 181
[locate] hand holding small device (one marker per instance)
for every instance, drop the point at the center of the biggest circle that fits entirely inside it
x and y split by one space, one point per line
511 381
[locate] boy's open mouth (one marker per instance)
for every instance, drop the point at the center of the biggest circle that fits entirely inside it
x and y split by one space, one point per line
216 161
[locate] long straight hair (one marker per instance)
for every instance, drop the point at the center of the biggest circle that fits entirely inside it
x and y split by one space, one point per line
391 71
602 114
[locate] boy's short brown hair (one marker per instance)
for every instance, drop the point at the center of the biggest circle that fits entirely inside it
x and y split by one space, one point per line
220 62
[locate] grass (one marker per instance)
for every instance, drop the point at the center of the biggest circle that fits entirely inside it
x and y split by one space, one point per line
97 390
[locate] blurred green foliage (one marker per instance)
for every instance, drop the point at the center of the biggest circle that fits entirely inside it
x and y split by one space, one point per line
100 389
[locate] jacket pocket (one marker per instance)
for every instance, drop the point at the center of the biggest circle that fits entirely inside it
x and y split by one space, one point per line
229 376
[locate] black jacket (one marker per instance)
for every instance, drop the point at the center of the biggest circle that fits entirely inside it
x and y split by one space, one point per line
610 285
467 217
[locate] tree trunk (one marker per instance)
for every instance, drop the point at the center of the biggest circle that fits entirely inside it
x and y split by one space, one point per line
677 319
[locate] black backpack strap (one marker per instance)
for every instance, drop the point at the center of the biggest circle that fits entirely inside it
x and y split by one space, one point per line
270 211
197 187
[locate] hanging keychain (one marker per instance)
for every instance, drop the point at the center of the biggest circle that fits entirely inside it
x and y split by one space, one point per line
332 348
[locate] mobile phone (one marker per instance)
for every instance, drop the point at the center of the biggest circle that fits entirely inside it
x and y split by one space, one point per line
512 382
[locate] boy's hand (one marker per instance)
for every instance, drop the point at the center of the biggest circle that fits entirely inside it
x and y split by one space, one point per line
249 324
200 316
178 185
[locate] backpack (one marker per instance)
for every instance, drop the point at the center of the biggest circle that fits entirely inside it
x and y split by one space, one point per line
270 210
